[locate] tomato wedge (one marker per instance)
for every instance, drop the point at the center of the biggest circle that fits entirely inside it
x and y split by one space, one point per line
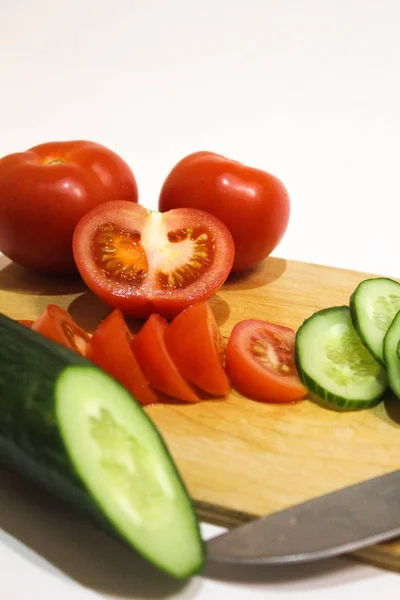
157 365
58 325
260 362
109 348
145 262
196 346
27 322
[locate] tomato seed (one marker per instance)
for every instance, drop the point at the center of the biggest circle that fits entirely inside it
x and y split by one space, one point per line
120 254
258 350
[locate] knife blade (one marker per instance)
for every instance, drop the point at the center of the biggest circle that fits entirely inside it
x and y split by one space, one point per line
336 523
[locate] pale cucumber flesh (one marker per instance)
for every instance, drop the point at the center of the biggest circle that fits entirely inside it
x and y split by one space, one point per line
127 470
334 364
374 304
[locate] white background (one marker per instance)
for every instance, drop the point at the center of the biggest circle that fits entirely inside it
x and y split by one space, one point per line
308 90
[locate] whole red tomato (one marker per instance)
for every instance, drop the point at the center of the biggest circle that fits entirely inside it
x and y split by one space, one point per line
46 190
253 204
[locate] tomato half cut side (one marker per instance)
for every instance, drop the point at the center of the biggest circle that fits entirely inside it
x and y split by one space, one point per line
109 348
157 365
145 262
57 324
260 362
196 346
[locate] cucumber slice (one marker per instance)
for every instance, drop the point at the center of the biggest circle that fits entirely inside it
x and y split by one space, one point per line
390 355
373 305
334 364
76 432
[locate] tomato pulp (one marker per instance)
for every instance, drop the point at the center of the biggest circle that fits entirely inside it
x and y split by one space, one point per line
145 262
58 325
260 362
252 203
46 190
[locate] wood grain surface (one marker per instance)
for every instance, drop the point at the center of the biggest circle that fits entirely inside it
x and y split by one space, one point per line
241 458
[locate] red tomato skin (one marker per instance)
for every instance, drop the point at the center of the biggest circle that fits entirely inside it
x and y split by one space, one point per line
142 301
252 203
253 381
46 190
157 365
57 324
195 345
109 348
26 322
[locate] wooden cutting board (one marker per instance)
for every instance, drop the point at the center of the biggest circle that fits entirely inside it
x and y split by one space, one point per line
241 458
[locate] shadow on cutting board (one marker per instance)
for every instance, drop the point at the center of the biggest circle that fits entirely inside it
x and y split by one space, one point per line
76 548
88 311
262 274
392 407
14 278
17 279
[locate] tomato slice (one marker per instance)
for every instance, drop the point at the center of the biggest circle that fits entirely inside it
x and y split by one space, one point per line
27 322
196 346
145 262
58 325
157 365
260 362
109 348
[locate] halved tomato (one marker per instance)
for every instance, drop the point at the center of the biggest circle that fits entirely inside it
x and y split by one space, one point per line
157 365
109 348
196 346
58 325
260 362
145 262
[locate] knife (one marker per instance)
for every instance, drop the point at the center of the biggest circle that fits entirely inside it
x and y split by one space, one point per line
339 522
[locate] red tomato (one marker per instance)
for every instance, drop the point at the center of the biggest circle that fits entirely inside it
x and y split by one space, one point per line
46 190
109 348
145 262
253 204
157 365
260 362
58 325
197 347
27 322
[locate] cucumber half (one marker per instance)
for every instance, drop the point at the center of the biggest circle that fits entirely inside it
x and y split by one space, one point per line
390 355
334 364
76 432
373 305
